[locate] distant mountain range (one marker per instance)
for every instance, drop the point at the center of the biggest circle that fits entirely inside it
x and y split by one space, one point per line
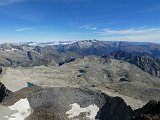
144 55
87 47
102 48
43 44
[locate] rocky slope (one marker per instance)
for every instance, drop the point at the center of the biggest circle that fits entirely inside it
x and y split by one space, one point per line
96 72
68 103
12 55
146 63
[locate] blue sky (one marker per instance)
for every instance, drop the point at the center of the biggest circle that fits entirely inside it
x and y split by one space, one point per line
54 20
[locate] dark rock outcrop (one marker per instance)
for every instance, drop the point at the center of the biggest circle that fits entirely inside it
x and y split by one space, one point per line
3 92
115 109
68 60
151 111
0 70
147 64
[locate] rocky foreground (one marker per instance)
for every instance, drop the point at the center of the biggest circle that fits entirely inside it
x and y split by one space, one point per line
66 103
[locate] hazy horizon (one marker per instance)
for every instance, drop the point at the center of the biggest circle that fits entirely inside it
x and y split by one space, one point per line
63 20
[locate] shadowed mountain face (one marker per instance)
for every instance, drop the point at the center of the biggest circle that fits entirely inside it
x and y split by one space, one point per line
146 63
115 109
151 111
3 92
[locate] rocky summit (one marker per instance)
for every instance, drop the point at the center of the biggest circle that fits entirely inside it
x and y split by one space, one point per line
66 103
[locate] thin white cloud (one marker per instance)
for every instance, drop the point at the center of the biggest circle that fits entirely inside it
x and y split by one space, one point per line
34 30
140 38
130 31
143 34
88 27
93 28
26 29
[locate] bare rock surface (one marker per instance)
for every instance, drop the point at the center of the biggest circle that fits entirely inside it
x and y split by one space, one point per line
70 103
99 73
66 103
148 64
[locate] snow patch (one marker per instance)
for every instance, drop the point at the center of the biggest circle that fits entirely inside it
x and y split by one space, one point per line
9 50
22 109
76 110
43 44
85 44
